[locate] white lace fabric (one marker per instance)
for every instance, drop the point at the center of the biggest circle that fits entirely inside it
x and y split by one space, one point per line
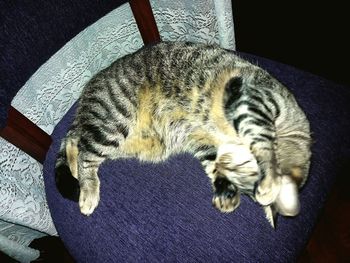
202 21
56 85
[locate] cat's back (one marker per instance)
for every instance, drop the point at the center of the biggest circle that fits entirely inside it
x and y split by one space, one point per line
167 77
177 62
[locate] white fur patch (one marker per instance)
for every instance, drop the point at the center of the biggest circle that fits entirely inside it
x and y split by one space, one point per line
288 201
239 154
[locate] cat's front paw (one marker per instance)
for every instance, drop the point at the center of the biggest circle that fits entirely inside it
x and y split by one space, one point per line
88 199
226 203
225 198
268 189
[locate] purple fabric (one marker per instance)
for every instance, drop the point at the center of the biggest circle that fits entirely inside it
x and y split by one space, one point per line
32 31
163 212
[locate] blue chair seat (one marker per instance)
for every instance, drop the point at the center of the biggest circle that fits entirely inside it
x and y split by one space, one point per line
163 212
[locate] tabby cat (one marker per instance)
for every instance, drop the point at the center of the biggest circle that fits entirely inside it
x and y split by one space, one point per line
183 97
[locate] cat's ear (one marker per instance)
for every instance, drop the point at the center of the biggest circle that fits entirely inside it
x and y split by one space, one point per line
287 202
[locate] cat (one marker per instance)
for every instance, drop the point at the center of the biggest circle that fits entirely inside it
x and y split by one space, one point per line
245 127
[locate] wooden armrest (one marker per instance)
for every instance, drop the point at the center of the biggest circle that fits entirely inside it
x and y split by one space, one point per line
24 134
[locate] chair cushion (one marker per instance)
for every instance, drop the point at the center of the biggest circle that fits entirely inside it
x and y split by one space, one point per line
162 212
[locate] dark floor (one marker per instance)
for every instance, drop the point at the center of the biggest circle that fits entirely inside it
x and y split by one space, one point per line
331 239
51 250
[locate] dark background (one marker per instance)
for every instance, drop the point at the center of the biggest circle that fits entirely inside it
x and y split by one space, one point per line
310 35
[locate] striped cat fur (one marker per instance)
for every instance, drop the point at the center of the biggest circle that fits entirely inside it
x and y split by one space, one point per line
244 126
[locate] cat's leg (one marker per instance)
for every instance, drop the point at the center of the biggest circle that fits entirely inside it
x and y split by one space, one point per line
269 187
76 171
261 142
89 183
226 196
236 170
88 160
204 146
228 163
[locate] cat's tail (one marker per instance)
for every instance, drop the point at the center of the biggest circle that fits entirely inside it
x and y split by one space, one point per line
66 170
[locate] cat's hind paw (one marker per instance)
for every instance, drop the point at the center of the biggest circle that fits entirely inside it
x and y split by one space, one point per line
88 200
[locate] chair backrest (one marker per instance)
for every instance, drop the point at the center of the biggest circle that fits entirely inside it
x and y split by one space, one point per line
14 126
145 21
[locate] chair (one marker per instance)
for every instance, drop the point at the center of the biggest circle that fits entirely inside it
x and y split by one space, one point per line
162 212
